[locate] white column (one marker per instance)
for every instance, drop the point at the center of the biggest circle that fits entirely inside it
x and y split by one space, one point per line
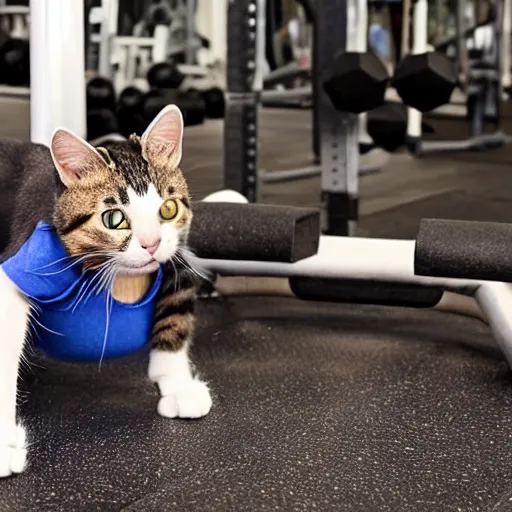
357 40
211 22
57 68
419 45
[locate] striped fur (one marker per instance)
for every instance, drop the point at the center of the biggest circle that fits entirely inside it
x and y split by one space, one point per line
174 320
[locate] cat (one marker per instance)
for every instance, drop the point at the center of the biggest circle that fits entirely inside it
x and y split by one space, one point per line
73 218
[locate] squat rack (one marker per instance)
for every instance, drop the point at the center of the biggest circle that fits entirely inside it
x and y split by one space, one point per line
338 131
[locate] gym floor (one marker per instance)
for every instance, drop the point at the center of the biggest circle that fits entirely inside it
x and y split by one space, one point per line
317 406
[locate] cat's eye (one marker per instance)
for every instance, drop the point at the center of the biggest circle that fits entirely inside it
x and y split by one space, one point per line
114 219
169 210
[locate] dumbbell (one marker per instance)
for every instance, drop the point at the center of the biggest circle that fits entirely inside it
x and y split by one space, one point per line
355 82
164 75
190 103
425 81
215 103
101 108
130 112
15 62
387 126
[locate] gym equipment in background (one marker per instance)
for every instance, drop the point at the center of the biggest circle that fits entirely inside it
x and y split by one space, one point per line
355 81
387 126
130 111
479 65
245 77
163 45
14 50
288 54
101 108
425 81
190 103
15 62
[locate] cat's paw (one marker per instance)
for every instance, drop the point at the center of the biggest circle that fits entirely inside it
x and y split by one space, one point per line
13 450
189 399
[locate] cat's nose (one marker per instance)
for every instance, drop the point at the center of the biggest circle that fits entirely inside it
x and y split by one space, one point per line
152 247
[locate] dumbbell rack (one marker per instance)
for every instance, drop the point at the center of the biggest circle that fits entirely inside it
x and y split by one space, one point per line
483 83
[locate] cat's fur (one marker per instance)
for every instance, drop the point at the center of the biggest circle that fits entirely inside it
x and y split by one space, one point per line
69 186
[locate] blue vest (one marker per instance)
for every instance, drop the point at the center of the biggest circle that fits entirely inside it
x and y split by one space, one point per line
69 319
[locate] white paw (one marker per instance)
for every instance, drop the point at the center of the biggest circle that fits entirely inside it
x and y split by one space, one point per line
189 399
13 450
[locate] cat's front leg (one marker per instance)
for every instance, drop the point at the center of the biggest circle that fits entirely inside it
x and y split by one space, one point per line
14 315
183 395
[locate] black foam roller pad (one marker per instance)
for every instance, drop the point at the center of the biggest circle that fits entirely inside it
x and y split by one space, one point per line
354 291
233 231
464 250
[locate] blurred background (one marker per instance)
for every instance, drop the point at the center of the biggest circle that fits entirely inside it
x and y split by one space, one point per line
142 54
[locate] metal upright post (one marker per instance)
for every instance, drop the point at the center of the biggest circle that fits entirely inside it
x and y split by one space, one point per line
506 48
338 130
245 54
419 46
314 110
191 24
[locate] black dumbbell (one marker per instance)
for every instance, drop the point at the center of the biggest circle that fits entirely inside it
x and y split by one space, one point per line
15 62
101 108
387 126
425 81
165 75
100 94
101 122
130 110
355 82
215 103
190 103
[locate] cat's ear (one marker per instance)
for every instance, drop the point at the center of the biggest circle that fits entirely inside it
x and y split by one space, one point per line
161 142
73 157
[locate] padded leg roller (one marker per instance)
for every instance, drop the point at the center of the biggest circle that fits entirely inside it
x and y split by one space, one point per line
464 250
254 232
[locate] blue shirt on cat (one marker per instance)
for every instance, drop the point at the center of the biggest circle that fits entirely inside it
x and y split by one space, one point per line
70 320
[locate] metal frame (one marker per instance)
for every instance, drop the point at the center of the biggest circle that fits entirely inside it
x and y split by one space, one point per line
362 259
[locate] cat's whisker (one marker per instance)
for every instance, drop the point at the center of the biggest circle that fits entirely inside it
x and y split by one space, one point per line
96 282
107 280
175 274
108 305
76 260
190 269
88 290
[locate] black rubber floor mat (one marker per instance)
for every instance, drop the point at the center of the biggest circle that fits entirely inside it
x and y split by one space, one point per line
317 407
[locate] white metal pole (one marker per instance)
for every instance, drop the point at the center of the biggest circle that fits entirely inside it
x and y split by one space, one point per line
506 44
361 45
108 30
420 19
57 68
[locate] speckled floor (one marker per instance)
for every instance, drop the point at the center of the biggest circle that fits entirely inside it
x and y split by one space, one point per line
317 407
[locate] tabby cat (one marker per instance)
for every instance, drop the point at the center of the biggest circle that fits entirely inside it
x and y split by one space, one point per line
75 219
